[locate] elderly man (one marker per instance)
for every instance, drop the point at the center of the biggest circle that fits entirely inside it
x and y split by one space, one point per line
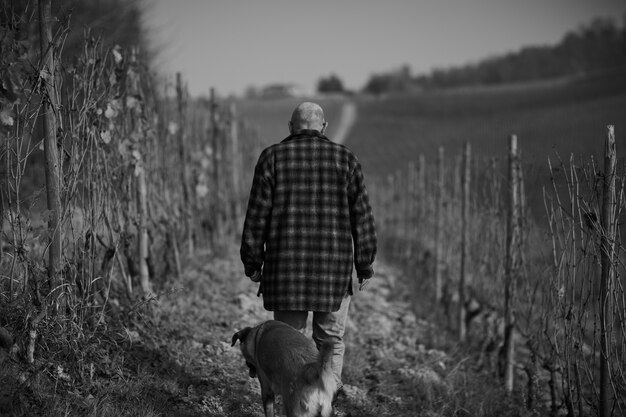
308 222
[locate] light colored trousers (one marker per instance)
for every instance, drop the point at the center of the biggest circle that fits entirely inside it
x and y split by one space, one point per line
326 326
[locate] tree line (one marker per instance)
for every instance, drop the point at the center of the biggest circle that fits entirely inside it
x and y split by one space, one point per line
596 46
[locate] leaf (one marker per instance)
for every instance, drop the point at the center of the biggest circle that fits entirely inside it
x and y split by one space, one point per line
112 79
113 109
172 127
117 54
105 135
136 136
110 113
6 118
131 102
9 86
202 190
124 147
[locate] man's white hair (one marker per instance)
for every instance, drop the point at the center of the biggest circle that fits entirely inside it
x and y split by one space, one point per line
307 115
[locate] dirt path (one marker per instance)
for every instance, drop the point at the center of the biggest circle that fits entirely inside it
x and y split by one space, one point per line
387 371
346 120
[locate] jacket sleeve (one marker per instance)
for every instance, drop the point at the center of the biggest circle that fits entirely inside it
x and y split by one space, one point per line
257 216
363 226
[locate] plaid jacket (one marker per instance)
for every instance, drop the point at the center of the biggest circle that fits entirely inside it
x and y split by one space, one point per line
308 221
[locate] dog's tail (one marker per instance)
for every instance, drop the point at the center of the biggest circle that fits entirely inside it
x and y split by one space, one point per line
325 366
319 380
321 371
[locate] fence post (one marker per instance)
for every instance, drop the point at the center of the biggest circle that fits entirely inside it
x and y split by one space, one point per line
235 169
512 262
218 230
53 178
409 206
52 170
439 225
140 172
142 209
187 210
465 208
607 244
421 188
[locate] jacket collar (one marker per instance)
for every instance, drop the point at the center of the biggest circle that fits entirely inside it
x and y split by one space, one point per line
306 134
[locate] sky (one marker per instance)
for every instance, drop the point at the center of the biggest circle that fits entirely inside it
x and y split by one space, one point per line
231 45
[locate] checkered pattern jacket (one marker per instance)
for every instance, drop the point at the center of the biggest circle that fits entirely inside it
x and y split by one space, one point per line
308 222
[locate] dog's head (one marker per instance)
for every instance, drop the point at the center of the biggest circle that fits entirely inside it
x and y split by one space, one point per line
246 344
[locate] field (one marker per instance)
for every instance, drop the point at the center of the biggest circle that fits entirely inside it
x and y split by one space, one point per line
552 120
563 118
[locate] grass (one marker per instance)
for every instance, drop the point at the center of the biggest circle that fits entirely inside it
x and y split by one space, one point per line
173 357
564 117
551 120
393 132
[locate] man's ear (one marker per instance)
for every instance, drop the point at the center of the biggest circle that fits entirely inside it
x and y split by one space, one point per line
290 125
324 126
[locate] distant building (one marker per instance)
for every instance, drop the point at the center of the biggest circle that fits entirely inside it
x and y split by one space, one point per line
282 91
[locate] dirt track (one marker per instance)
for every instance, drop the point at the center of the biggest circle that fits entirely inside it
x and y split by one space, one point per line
346 120
387 371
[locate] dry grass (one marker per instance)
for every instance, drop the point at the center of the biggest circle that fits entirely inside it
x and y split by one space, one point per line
173 357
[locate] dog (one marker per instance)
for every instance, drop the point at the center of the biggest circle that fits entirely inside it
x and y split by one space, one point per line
287 363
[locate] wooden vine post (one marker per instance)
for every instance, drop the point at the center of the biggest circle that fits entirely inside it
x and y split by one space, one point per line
218 230
465 211
50 106
607 245
235 167
512 263
439 226
421 188
142 208
186 211
140 173
410 210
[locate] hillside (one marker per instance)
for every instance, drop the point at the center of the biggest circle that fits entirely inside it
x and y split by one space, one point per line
564 117
552 119
599 45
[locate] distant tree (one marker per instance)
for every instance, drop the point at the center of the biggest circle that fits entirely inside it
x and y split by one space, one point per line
378 84
118 22
251 92
601 44
330 84
398 80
